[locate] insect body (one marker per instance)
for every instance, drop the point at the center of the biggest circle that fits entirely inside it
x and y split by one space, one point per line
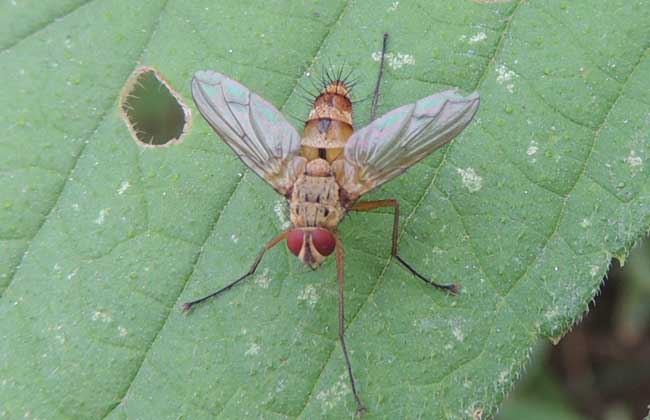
325 172
316 200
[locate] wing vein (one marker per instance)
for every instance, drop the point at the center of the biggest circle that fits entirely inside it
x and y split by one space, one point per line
391 144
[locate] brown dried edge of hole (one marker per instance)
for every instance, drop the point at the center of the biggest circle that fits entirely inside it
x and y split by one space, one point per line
128 88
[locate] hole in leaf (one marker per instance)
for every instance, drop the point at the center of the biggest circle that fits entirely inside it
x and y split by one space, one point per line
153 111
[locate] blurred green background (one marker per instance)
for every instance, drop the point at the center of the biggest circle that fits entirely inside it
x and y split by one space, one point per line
601 369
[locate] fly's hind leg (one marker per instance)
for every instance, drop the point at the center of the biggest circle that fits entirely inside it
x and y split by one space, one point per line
273 242
339 271
371 205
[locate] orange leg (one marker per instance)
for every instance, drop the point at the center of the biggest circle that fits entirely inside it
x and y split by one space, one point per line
273 242
371 205
339 272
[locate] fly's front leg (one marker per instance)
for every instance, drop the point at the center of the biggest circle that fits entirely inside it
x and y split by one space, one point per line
273 242
339 272
371 205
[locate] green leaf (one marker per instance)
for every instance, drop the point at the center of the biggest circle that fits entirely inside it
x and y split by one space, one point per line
102 239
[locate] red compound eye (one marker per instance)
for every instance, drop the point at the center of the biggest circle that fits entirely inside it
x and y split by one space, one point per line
323 241
294 241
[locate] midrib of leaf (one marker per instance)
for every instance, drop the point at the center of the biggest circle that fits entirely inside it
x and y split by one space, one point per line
102 117
380 278
38 29
215 221
499 46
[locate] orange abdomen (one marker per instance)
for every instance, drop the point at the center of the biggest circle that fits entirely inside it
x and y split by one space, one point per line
329 124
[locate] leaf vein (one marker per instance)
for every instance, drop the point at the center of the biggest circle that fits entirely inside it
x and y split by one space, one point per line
44 26
582 173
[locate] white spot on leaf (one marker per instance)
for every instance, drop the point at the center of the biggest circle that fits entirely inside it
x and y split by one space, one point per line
101 316
505 77
309 295
122 331
253 350
393 6
471 180
458 333
73 273
395 60
532 148
481 36
123 187
330 397
633 160
263 280
102 216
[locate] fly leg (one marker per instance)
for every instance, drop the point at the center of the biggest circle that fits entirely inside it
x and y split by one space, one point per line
371 205
273 242
375 99
339 272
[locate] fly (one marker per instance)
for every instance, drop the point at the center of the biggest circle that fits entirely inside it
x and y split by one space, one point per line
325 172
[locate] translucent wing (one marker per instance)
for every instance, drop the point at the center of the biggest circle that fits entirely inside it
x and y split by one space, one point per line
256 131
391 144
